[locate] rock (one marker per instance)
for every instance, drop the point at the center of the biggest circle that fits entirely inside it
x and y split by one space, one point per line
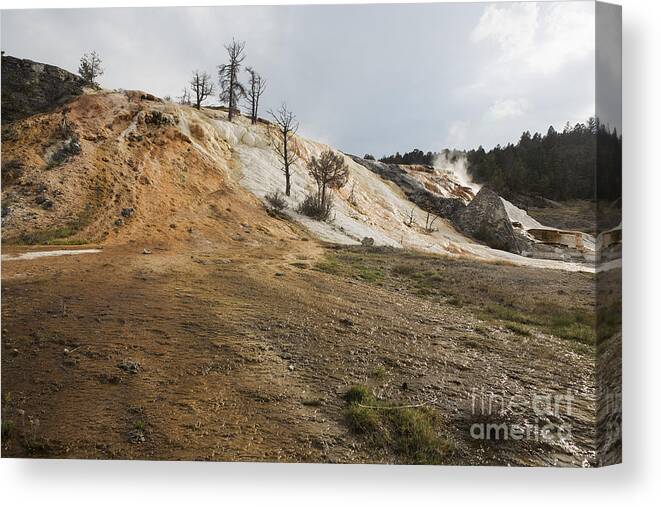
136 436
346 321
138 95
30 87
129 366
127 212
279 273
158 118
146 251
367 241
119 222
47 204
485 219
415 191
291 367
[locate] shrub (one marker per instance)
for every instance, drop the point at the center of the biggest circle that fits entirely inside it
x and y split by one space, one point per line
69 148
276 200
357 394
312 207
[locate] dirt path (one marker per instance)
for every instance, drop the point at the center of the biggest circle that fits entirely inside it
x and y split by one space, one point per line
244 354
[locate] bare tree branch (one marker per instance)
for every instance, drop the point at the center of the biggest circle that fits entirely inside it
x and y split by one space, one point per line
228 77
256 87
201 86
282 140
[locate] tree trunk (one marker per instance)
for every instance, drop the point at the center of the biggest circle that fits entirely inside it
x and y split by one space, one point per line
323 195
286 157
231 93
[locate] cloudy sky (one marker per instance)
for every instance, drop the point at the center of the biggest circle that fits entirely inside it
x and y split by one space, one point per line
364 78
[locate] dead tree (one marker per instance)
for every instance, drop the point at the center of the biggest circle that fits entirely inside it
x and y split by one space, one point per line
201 86
184 99
228 76
429 222
329 171
410 218
256 87
282 140
90 68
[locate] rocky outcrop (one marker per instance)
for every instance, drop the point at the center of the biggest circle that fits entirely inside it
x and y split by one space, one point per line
29 88
445 207
486 219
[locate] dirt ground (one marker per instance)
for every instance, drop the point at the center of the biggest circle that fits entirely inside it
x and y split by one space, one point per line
244 352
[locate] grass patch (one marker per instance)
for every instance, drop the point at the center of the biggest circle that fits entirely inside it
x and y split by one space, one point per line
8 427
369 274
522 299
403 269
570 324
47 236
378 372
353 266
454 301
409 432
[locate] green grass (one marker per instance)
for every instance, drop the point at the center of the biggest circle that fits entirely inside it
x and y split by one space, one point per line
411 433
8 427
61 235
570 324
47 236
523 300
378 372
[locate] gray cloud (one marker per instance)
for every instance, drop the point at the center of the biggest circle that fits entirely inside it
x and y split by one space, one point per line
365 78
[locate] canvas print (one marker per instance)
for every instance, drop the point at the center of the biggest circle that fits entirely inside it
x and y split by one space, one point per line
331 234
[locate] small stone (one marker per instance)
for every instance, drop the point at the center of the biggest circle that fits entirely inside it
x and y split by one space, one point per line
279 273
146 251
136 436
346 321
129 366
291 367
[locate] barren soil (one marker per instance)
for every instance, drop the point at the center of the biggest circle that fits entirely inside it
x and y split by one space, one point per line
243 352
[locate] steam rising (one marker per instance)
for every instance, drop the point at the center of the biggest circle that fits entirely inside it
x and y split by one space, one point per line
455 162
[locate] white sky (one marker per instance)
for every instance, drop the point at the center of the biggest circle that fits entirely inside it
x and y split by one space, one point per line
364 78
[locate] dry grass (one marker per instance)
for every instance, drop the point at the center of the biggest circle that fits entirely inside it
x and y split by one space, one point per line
521 299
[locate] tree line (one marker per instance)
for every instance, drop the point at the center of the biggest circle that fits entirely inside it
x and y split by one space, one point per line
578 163
573 164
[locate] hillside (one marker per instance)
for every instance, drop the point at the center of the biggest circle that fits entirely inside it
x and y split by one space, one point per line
117 167
191 321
